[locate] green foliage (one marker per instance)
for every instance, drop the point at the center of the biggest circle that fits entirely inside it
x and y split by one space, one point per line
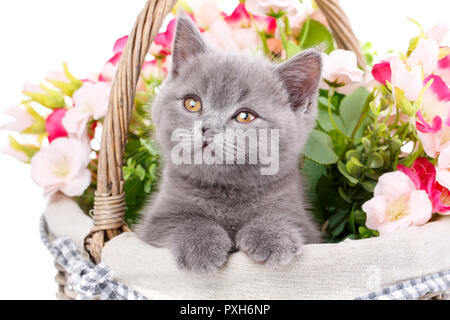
315 34
142 169
141 174
346 153
319 148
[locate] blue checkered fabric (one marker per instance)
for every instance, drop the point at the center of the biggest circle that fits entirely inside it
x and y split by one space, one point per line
89 281
434 284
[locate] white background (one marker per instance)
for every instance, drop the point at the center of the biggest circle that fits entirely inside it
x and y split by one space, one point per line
36 36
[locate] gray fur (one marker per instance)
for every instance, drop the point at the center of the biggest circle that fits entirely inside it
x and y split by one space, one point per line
204 212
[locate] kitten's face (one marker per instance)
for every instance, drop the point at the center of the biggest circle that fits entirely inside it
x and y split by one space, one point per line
209 93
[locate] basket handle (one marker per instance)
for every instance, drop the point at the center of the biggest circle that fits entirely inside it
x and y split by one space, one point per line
341 28
109 202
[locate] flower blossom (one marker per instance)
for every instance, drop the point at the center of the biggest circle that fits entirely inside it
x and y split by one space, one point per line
397 204
443 68
61 166
109 69
90 102
426 55
438 31
340 69
382 72
23 119
408 81
433 123
205 12
162 44
54 126
265 7
241 18
443 170
423 174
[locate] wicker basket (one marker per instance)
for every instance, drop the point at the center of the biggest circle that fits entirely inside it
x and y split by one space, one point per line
109 207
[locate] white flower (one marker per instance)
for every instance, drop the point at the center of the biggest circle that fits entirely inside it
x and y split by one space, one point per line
263 7
409 81
426 54
91 102
341 68
61 166
24 120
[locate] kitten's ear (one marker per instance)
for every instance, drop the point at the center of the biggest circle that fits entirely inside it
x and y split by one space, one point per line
301 75
187 42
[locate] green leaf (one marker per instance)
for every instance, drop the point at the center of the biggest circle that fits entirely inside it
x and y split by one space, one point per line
323 118
292 49
368 185
344 195
319 148
375 161
315 34
323 104
140 172
353 154
359 217
343 170
336 222
353 168
312 171
351 109
351 222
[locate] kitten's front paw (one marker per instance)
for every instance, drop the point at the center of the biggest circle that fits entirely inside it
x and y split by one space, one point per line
266 244
203 249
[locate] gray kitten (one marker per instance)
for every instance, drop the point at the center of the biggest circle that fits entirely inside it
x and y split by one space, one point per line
204 212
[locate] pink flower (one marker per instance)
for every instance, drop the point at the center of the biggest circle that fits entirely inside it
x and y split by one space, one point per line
396 204
154 68
423 174
438 31
239 18
266 24
221 36
264 7
224 37
64 81
23 119
43 95
409 81
434 109
90 102
340 68
54 126
425 127
443 69
22 152
440 197
443 170
19 155
61 166
162 45
382 72
205 12
426 55
109 69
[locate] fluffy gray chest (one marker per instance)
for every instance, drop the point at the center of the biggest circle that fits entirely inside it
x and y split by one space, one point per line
230 208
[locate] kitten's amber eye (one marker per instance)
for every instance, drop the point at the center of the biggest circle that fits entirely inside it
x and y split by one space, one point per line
245 116
192 104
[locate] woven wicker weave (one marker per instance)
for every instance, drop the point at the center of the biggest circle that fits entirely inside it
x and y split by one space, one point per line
109 207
